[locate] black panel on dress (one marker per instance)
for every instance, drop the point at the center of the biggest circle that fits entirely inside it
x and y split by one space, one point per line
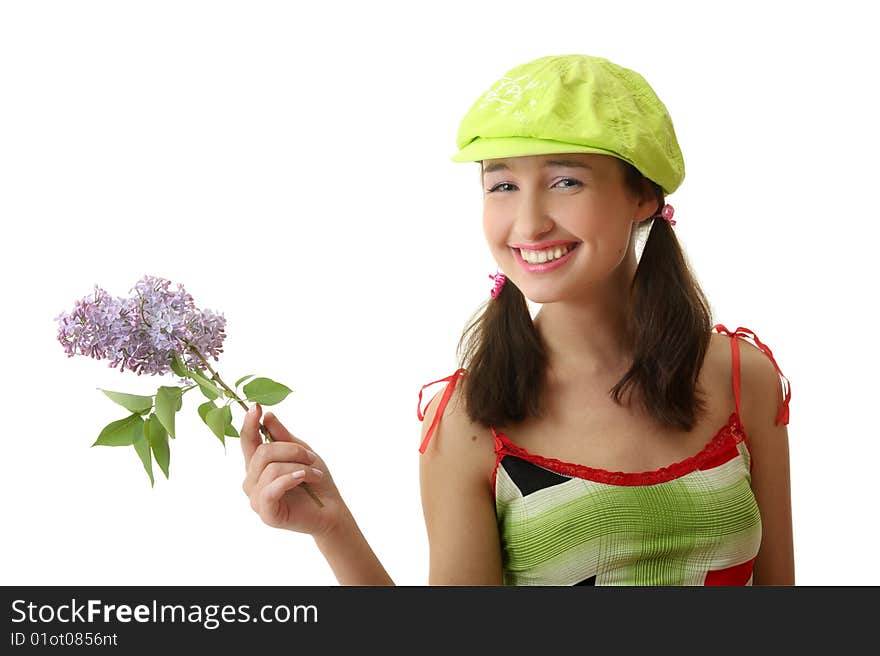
529 477
589 581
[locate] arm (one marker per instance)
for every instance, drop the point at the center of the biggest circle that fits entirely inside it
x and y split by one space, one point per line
768 443
271 490
350 556
457 498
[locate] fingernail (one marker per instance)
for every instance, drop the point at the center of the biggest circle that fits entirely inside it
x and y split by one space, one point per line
317 472
253 409
298 474
312 456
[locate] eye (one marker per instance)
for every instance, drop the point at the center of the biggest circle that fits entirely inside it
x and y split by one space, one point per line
575 183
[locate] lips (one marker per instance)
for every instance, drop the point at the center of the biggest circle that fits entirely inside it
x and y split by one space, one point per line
545 266
543 245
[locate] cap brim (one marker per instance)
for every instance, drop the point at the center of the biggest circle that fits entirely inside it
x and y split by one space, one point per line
497 147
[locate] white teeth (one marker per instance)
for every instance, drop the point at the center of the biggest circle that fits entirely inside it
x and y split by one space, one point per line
539 257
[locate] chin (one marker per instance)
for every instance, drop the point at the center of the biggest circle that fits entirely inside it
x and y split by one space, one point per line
540 298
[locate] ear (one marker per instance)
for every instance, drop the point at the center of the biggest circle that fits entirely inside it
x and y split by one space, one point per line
649 203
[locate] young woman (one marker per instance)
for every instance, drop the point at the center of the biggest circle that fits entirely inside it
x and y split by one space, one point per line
619 437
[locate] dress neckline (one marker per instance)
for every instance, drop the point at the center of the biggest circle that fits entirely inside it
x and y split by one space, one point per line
728 435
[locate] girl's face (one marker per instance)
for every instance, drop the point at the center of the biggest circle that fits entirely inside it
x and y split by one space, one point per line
579 198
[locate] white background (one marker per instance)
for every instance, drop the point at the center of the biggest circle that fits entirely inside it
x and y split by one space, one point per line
289 163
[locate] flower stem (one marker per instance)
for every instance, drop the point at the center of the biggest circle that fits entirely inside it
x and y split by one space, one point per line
263 429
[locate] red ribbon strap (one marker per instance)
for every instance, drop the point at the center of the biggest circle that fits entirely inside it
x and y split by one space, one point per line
452 378
786 385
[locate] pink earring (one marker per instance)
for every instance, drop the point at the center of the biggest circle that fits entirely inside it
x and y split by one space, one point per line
666 213
499 279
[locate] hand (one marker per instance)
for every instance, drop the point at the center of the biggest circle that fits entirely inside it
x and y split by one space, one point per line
271 488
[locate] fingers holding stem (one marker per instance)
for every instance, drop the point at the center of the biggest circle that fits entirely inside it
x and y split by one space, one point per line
263 429
305 486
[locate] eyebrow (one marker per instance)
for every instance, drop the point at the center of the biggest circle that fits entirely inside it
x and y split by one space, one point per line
571 163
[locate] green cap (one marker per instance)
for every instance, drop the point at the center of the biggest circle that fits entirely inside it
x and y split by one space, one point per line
574 104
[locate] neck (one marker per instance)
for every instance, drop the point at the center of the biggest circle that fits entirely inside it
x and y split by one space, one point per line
589 336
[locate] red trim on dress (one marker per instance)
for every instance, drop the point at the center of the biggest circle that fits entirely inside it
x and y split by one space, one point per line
716 451
735 575
719 457
499 454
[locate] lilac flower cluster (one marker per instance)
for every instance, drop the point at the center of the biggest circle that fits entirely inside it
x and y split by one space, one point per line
142 332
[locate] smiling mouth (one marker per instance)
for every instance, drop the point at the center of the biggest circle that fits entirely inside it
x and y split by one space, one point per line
546 255
547 265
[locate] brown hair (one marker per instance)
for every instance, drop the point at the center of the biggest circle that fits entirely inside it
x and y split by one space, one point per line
669 323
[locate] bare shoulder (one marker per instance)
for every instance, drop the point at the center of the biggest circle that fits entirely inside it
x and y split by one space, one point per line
457 498
761 387
457 440
762 397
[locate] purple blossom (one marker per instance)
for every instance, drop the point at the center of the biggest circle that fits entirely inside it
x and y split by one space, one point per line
142 332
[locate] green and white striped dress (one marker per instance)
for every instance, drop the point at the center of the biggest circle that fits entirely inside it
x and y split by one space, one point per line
695 522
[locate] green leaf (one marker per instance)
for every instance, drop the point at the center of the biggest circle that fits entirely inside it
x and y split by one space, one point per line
131 402
227 419
224 413
178 367
266 391
203 410
168 401
242 379
158 439
142 446
208 388
122 432
216 420
209 392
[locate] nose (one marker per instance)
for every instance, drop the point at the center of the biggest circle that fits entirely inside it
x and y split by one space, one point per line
531 217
